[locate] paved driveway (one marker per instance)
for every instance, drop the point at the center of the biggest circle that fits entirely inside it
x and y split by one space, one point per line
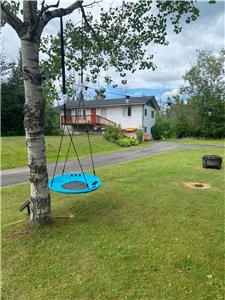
20 175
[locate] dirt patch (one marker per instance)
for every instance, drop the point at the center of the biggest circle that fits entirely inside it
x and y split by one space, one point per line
197 185
20 234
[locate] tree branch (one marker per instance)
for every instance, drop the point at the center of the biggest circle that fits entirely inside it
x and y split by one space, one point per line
90 27
91 4
44 8
12 20
56 13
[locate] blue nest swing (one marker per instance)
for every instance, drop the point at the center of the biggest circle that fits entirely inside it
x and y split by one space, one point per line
77 182
74 183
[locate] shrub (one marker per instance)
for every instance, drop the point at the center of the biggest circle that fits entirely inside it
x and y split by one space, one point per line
134 142
127 142
124 142
162 128
139 134
112 134
157 132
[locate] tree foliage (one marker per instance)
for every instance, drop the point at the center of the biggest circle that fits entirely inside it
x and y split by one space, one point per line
205 83
12 99
162 128
52 126
118 39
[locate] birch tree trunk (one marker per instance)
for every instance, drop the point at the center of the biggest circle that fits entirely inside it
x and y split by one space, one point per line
34 129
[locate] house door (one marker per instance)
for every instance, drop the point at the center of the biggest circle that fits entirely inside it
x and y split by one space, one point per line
93 115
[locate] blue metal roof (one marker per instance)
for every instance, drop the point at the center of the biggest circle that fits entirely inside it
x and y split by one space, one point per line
149 100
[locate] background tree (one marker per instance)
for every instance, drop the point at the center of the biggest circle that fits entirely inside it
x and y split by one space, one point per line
100 94
178 116
12 98
206 94
162 127
123 34
52 126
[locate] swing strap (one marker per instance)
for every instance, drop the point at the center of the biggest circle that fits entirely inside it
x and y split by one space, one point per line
88 134
81 100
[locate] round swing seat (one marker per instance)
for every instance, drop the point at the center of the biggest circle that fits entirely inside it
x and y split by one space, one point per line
74 183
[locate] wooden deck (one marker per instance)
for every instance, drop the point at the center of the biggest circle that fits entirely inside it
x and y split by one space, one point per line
87 120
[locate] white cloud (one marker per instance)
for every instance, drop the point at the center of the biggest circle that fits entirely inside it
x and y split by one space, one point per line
170 94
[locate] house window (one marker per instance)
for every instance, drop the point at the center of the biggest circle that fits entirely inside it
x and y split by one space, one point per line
127 111
146 112
145 129
103 112
153 114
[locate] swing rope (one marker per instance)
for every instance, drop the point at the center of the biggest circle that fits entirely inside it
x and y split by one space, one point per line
88 136
82 95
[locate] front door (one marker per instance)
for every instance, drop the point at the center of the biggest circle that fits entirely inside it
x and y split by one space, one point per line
93 115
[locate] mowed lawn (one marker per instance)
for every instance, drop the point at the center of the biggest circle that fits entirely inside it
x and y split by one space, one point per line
14 152
192 141
142 235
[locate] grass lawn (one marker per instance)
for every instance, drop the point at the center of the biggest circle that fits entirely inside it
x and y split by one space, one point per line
142 235
14 152
192 141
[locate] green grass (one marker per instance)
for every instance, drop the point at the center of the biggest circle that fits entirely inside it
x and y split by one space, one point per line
192 141
14 152
142 235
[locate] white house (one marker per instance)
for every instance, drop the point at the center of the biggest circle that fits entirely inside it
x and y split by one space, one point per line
131 114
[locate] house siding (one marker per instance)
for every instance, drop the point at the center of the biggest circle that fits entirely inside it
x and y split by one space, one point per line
115 114
148 121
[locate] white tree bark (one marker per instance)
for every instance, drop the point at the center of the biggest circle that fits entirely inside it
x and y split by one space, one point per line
34 128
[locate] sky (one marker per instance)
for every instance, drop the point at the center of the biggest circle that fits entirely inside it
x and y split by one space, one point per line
172 61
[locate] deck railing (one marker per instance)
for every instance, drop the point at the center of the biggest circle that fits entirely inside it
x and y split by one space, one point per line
87 120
